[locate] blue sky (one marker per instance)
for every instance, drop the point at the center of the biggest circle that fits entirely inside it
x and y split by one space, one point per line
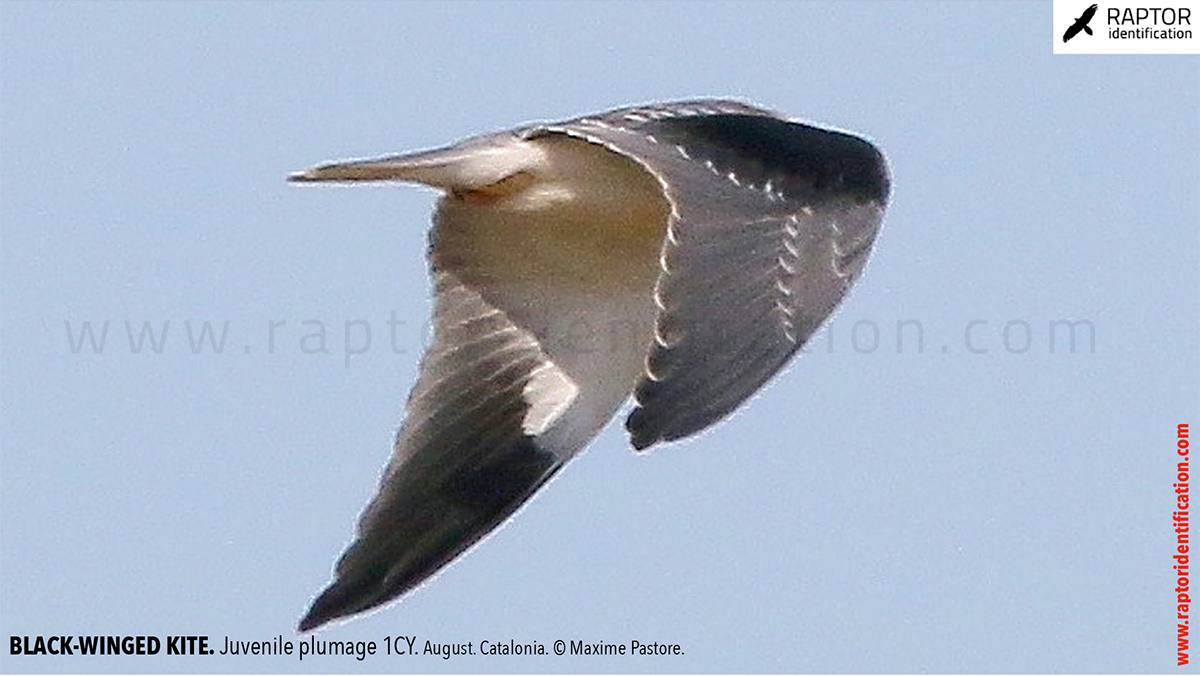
994 502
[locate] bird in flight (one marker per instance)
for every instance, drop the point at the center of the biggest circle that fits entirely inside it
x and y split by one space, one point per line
1081 24
678 253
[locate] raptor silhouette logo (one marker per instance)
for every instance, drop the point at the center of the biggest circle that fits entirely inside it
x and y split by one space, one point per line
1081 24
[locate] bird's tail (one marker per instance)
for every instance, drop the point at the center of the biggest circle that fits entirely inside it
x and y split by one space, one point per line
467 166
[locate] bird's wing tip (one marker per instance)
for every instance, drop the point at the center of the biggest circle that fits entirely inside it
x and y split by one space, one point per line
320 613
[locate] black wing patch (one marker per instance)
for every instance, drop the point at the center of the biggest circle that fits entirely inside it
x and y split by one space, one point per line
463 461
771 223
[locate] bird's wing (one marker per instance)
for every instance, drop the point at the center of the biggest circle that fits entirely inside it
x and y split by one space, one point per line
542 311
464 458
771 221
